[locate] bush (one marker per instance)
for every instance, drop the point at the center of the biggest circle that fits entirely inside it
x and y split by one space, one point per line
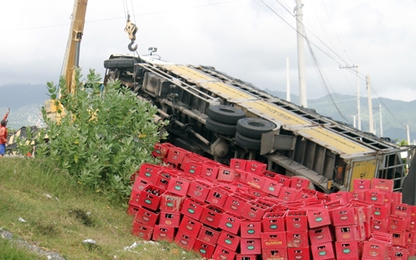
104 136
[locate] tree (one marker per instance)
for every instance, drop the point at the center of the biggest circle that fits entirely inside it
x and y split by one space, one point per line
104 136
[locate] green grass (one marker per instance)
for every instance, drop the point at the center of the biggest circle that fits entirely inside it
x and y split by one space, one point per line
60 214
12 251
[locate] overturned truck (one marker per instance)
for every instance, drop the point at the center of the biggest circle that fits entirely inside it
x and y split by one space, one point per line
221 117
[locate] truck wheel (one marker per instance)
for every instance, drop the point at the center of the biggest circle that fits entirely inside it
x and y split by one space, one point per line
246 142
119 63
225 114
254 127
220 128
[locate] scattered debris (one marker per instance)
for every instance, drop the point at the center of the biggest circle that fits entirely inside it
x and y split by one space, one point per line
22 220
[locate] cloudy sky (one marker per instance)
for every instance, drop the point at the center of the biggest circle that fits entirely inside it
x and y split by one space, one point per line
247 39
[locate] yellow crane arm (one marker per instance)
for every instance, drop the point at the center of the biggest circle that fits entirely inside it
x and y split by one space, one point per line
71 59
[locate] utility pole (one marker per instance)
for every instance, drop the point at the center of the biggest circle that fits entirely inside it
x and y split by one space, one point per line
408 134
370 105
301 53
358 94
287 80
381 121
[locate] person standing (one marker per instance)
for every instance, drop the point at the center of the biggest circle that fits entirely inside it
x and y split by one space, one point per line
3 133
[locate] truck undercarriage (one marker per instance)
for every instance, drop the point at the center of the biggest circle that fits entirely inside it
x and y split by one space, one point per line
221 117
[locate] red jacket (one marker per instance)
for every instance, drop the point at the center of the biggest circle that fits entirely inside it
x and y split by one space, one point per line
3 131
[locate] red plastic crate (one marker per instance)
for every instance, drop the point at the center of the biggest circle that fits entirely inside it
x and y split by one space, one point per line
273 221
318 217
230 222
146 217
161 149
272 187
162 182
225 174
142 230
163 233
300 253
323 251
204 249
134 198
192 208
176 155
150 197
288 194
254 166
192 165
250 229
347 233
245 257
234 204
297 239
296 220
169 219
240 175
399 238
184 239
223 253
374 250
344 216
382 184
347 250
217 196
228 240
149 171
374 196
198 190
398 253
361 184
320 235
190 226
140 183
236 163
250 246
210 170
178 186
401 210
299 183
255 181
380 211
132 209
209 235
254 211
270 240
275 253
171 202
211 215
396 223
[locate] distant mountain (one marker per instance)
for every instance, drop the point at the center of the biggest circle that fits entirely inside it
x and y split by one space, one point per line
26 100
396 114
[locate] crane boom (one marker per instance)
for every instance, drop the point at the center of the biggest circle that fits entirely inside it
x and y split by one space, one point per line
71 59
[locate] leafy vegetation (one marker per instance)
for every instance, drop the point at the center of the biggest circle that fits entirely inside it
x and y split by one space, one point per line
103 136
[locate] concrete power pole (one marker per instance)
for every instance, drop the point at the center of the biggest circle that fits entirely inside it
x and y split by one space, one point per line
370 105
301 53
287 80
381 121
358 94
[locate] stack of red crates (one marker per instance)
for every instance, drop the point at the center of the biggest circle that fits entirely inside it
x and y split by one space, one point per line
244 211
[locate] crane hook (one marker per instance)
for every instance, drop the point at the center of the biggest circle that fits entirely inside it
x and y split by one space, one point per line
130 46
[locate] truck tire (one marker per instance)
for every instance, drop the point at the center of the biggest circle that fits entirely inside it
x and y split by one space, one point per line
220 128
225 114
254 127
246 142
119 63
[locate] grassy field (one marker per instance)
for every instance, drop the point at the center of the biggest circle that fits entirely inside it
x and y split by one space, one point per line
47 208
